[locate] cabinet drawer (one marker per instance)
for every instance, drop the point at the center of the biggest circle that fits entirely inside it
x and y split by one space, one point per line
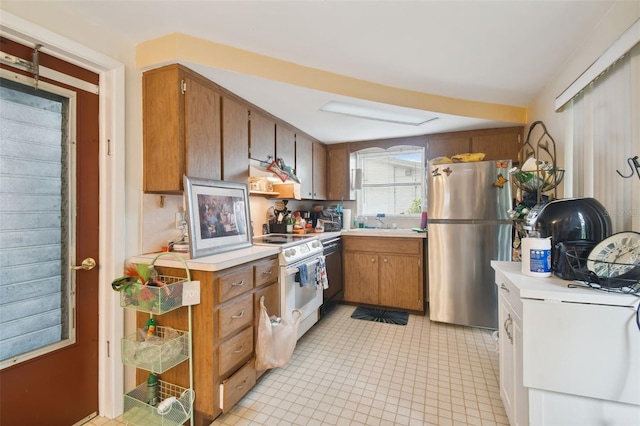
236 386
511 293
235 350
234 283
235 316
266 272
383 245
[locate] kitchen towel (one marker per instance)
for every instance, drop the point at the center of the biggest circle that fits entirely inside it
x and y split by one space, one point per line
302 276
322 283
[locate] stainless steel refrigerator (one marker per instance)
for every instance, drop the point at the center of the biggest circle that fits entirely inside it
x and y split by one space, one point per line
468 226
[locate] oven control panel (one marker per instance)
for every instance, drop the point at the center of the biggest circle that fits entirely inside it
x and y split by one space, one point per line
301 251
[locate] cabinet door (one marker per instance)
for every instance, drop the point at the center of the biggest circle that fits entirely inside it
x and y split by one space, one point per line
506 355
400 282
163 131
262 137
498 147
361 278
202 130
286 145
304 165
319 167
446 145
338 173
235 141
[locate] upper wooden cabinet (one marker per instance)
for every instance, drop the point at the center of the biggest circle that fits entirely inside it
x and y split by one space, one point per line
235 141
181 128
286 145
497 144
311 168
262 137
500 146
319 172
338 172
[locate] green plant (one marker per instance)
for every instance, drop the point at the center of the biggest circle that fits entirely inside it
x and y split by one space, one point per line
415 207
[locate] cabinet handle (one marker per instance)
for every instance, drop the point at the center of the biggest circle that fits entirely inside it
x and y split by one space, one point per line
237 351
507 323
269 272
504 287
237 284
240 315
242 385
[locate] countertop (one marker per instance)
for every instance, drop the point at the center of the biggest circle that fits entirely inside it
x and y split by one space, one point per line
218 262
558 290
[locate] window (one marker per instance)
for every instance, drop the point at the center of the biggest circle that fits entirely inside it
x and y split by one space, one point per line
392 181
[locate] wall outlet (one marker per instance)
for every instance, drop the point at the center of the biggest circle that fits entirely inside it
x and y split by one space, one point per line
180 220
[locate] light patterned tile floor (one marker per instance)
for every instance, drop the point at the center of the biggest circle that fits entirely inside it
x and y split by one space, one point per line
353 372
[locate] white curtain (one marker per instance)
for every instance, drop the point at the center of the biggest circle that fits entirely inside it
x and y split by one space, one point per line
603 133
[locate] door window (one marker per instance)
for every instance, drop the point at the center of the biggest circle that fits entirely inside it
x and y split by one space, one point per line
36 287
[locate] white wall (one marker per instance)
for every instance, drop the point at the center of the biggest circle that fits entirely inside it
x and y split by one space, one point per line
620 17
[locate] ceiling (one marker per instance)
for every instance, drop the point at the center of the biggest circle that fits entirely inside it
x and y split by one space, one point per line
494 52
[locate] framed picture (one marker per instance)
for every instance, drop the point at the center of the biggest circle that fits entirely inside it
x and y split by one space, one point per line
218 216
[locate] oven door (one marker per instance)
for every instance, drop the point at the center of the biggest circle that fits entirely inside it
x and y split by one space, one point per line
306 298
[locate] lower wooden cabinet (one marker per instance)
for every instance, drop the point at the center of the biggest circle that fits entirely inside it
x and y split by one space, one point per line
384 271
224 333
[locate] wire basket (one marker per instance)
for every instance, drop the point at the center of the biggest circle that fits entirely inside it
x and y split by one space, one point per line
543 180
626 283
168 348
138 412
156 299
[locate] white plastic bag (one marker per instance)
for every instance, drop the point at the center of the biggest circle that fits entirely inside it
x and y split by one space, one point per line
275 343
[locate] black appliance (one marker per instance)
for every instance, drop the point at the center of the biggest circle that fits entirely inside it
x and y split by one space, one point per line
572 223
330 216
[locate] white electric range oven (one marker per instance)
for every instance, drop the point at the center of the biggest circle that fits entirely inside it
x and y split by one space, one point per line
297 252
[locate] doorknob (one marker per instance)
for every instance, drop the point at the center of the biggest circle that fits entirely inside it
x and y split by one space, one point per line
88 264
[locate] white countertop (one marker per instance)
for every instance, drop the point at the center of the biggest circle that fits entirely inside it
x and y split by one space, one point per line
211 263
556 289
228 259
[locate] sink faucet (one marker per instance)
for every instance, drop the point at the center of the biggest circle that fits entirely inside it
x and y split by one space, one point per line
378 218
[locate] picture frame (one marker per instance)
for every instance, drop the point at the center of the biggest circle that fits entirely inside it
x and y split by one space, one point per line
218 216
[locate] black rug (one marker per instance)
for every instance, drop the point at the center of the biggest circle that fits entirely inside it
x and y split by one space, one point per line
381 315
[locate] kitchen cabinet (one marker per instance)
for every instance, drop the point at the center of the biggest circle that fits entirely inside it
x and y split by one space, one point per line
181 128
224 333
515 396
235 140
497 144
556 346
262 136
311 168
339 173
384 271
286 145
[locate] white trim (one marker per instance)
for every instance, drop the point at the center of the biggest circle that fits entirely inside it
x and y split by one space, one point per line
622 45
112 193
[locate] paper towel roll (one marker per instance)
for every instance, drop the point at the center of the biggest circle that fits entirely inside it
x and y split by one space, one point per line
536 257
346 218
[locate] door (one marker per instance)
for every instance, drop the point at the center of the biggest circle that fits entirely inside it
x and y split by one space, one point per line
49 222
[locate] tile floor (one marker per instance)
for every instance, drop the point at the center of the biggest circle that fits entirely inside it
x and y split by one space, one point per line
353 372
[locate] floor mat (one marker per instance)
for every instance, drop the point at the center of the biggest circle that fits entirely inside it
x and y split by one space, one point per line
381 315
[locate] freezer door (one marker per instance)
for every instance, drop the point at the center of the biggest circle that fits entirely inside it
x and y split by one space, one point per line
461 280
469 191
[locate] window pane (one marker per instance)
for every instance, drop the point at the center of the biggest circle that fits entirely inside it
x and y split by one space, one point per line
392 181
33 233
